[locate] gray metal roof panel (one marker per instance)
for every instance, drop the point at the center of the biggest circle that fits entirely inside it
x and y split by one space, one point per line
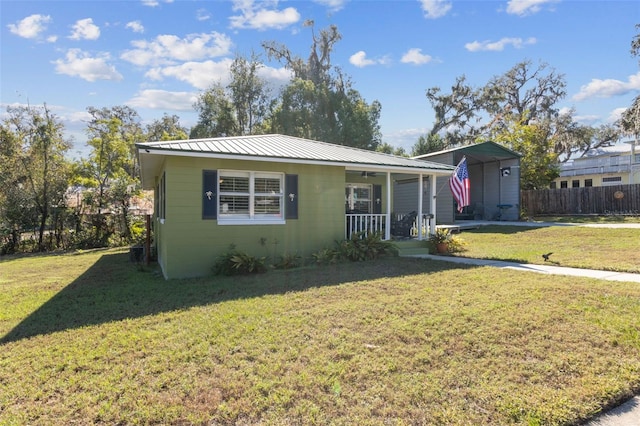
482 150
289 147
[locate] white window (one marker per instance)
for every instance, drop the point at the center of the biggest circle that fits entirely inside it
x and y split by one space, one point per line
250 197
613 180
614 160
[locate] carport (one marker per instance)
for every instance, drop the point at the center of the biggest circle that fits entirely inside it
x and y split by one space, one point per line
494 174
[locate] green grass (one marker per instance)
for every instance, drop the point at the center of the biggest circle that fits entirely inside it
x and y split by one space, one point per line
572 246
88 338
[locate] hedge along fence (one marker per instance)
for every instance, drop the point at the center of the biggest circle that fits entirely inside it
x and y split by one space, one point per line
615 199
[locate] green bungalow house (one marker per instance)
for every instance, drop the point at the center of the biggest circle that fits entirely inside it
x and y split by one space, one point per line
268 195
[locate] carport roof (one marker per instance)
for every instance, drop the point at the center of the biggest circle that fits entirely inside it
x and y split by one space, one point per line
483 152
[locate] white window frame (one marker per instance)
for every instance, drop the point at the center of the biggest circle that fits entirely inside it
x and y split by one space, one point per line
252 217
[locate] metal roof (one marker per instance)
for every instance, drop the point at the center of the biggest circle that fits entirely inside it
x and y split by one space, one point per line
477 153
281 148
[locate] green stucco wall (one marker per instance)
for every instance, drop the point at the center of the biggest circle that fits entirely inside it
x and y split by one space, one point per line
188 245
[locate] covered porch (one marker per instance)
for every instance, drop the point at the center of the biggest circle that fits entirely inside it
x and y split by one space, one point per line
369 205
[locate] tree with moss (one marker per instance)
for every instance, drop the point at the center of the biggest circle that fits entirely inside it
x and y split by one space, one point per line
525 94
320 102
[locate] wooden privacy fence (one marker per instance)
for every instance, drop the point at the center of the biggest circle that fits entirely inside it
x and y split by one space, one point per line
615 199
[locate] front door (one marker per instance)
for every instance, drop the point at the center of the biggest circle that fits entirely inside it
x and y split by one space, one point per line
358 198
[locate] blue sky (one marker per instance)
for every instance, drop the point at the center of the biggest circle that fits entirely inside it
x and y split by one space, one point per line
158 55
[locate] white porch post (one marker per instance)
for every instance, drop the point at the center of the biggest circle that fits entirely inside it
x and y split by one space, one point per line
432 221
419 218
387 228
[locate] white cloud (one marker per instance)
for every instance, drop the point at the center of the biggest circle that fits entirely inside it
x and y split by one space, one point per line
154 3
616 114
52 39
135 26
31 26
79 64
77 117
203 15
257 16
586 119
200 75
332 5
164 100
167 49
608 88
278 77
416 57
498 46
526 7
565 110
85 29
435 8
405 138
360 60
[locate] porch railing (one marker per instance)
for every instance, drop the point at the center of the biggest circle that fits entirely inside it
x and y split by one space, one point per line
367 223
406 225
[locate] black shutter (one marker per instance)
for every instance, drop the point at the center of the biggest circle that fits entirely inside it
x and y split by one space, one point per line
291 196
209 194
377 199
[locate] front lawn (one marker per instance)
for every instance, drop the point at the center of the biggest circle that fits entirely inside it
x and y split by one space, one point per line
610 249
88 338
589 218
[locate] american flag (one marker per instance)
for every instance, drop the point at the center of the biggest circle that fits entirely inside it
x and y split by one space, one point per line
459 184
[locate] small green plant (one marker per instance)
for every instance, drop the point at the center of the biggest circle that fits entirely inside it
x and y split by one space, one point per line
365 247
442 235
454 244
224 263
326 256
288 261
244 263
235 262
457 244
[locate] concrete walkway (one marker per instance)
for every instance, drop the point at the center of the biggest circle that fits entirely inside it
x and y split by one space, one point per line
529 267
627 414
471 224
